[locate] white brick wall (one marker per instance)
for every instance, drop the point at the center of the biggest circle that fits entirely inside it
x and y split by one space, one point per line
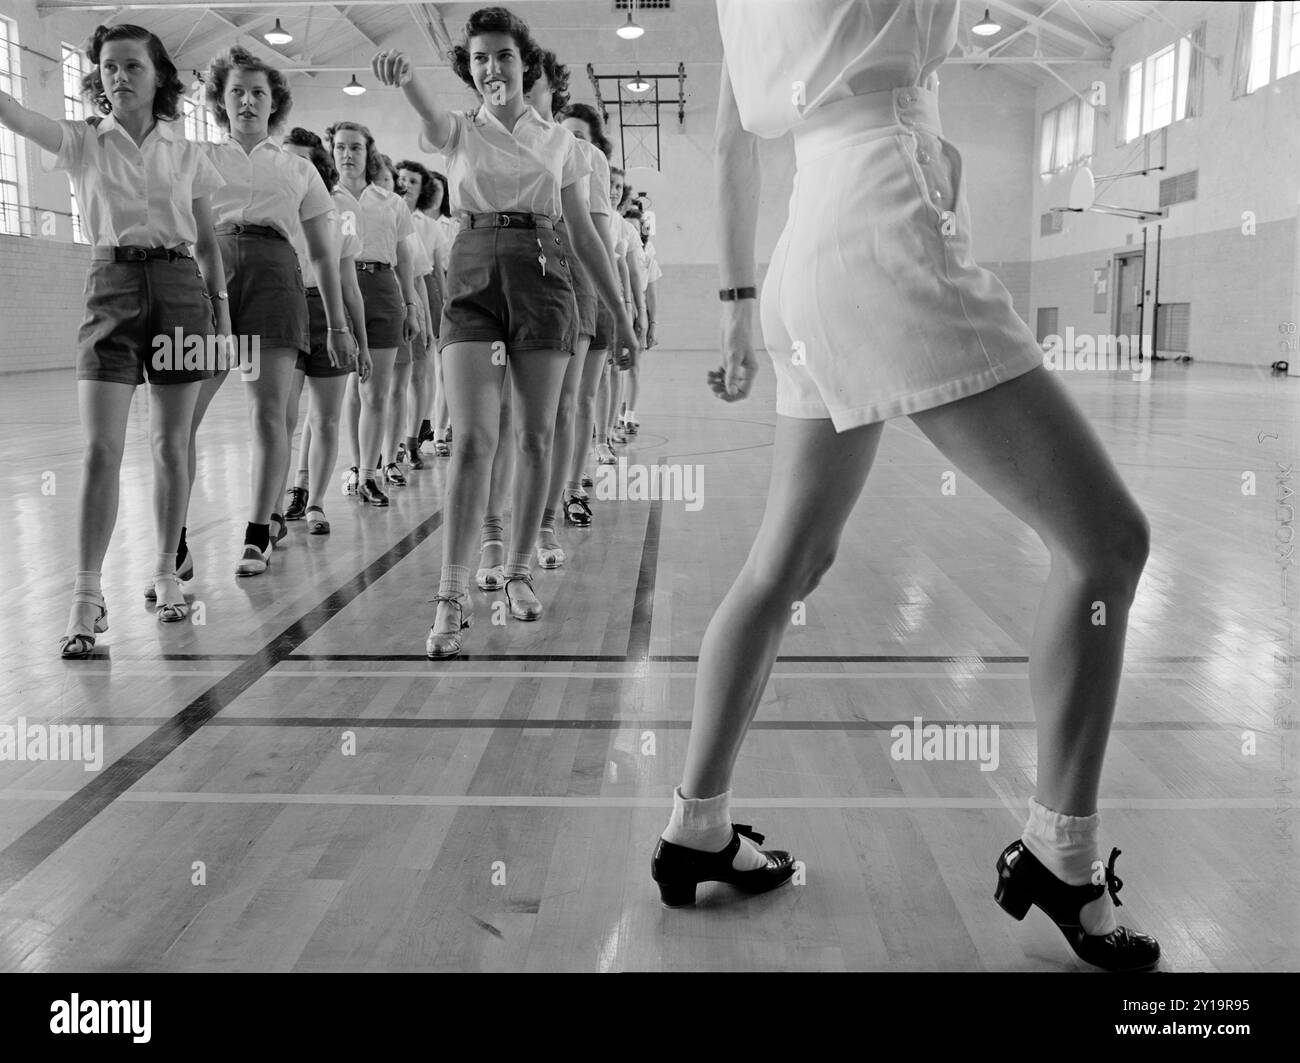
41 302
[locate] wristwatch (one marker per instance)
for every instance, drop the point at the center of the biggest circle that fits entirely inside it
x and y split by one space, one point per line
728 295
221 295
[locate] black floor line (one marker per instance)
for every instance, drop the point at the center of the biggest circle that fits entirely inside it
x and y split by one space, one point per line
26 852
399 723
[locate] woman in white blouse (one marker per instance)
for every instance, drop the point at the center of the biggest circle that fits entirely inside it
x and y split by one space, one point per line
270 194
510 306
874 308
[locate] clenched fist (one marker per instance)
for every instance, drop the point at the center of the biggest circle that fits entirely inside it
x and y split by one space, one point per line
392 68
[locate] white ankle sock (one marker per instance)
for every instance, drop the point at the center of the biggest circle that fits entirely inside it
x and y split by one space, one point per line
1067 847
88 581
705 823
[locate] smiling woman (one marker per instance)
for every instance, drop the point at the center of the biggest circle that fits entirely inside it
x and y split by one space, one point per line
510 307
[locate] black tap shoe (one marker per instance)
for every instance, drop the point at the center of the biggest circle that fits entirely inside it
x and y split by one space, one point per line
1023 880
678 870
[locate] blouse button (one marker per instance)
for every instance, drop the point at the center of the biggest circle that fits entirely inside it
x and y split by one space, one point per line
938 194
922 156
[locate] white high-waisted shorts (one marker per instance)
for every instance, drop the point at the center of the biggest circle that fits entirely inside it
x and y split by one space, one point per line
872 306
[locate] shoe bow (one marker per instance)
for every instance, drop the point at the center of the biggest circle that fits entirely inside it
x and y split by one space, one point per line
1113 882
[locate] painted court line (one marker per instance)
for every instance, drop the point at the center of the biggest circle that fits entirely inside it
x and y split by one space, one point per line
1167 804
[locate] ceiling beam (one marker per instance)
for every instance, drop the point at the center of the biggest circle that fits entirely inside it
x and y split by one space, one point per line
256 46
430 21
1036 20
343 13
997 46
218 41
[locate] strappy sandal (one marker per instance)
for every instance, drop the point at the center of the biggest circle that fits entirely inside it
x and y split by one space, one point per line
442 644
80 644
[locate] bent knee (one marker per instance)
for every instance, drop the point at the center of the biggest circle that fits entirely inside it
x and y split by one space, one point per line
1117 552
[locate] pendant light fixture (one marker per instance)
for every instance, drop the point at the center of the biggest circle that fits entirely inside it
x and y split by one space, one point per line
277 34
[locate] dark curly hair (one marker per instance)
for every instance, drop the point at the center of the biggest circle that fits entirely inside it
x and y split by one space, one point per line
557 74
242 59
372 154
497 20
595 127
320 158
445 208
167 94
425 198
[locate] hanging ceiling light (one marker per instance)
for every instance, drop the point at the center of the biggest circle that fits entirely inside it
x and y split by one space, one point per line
638 84
986 27
277 34
354 87
630 31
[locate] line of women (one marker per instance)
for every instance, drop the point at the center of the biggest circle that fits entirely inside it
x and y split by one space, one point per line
351 277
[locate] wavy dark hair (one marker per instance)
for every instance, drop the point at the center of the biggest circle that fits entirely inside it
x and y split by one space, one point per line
595 127
557 74
320 158
425 198
445 208
169 91
497 20
372 153
238 58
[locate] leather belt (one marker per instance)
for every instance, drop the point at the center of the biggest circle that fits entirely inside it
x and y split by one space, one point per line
373 267
507 220
103 253
250 230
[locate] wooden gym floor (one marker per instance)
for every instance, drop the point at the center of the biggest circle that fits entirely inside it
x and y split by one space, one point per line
500 810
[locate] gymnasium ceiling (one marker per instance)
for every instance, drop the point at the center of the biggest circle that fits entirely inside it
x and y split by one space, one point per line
1039 38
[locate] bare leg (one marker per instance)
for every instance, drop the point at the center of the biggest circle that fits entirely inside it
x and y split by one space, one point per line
268 401
291 422
474 396
395 434
564 441
1027 444
537 379
374 401
171 414
420 394
322 430
352 418
105 409
441 418
584 417
817 475
503 477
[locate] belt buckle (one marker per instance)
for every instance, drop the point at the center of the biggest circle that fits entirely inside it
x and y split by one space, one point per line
503 220
137 254
237 230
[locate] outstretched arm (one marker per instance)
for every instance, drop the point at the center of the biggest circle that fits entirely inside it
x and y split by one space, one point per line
43 132
395 68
